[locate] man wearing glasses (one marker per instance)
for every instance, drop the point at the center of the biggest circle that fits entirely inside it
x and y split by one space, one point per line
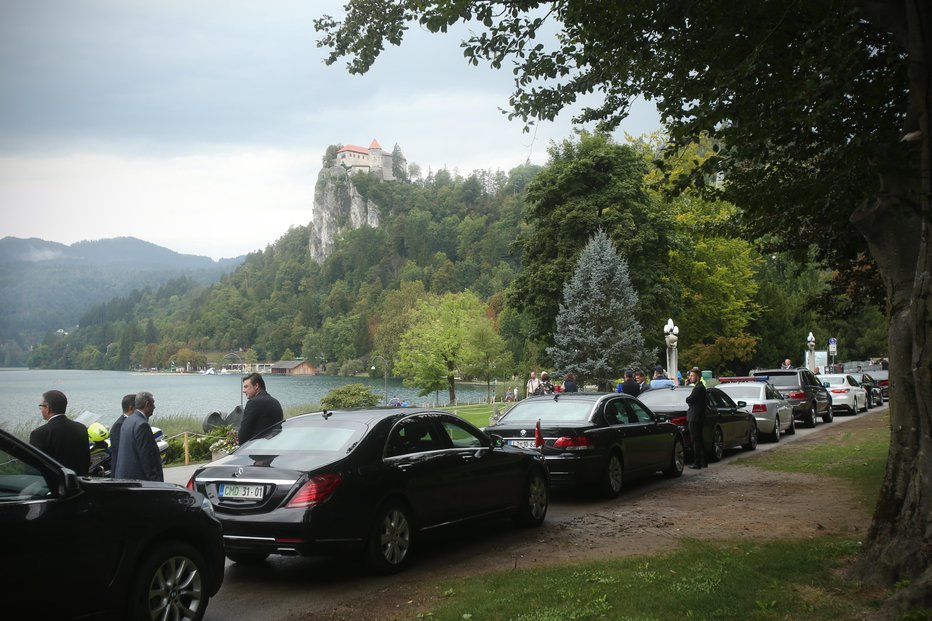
65 440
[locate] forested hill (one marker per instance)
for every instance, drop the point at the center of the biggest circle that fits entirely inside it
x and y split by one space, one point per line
48 286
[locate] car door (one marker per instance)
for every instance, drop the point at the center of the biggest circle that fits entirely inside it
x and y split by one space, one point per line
818 390
614 426
784 409
732 421
656 441
858 390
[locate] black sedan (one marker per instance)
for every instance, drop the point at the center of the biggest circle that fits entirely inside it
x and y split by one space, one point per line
79 547
367 481
594 439
727 424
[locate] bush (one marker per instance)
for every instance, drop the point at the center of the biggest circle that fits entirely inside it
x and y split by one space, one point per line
350 396
198 449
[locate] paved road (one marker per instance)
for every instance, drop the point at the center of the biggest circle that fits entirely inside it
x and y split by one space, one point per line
317 588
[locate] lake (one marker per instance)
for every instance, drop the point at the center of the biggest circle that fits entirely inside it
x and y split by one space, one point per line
180 394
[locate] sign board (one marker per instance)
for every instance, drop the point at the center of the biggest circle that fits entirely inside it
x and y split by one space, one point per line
833 346
821 359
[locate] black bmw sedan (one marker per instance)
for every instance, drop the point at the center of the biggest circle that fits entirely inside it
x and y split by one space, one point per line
366 480
88 548
593 439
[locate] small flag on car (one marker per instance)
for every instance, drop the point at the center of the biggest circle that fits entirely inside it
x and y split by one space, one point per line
538 436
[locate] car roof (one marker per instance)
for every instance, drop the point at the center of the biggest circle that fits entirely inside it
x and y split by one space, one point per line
365 416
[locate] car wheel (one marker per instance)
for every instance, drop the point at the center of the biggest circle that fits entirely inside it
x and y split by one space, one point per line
390 539
612 477
775 436
830 413
245 557
751 444
677 460
533 505
170 584
791 430
718 444
867 404
811 418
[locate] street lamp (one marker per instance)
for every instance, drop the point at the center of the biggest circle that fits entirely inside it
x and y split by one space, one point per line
810 361
385 369
671 336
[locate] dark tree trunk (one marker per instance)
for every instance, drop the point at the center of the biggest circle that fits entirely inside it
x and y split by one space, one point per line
897 228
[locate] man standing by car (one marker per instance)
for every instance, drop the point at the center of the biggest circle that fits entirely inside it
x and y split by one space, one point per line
695 418
262 410
139 454
62 438
128 404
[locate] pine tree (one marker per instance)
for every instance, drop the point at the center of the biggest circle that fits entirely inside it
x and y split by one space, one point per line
597 333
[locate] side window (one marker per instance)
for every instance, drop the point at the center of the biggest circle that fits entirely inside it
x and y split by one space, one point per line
19 481
615 413
413 435
460 436
637 413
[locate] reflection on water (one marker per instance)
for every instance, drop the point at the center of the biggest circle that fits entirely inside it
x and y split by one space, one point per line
180 394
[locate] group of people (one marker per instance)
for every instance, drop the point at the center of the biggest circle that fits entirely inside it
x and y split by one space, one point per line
635 381
544 386
134 453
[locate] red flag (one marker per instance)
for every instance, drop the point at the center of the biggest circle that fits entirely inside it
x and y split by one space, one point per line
538 436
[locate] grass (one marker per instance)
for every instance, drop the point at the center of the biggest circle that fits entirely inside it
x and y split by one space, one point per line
759 581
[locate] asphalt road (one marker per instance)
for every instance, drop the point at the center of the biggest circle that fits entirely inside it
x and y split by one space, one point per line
290 588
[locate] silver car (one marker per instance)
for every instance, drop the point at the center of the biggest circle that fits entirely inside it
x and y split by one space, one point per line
774 414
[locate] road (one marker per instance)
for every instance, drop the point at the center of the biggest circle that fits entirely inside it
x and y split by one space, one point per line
289 588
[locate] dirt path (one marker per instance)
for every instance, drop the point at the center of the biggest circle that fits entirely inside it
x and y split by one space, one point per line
726 501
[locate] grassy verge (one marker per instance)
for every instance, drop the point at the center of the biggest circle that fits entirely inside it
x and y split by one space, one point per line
790 579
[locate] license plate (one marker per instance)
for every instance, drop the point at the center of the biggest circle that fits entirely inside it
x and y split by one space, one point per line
248 492
523 443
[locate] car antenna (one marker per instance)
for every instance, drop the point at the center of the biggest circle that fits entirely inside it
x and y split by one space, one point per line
326 414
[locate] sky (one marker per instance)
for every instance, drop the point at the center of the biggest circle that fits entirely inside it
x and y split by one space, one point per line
200 125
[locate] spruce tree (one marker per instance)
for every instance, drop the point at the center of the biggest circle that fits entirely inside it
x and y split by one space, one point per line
597 335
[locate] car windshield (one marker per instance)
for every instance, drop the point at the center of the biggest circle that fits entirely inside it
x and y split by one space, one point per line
548 411
835 380
741 392
323 436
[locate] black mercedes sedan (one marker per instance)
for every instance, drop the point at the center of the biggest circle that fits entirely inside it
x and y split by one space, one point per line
89 548
727 424
594 439
369 481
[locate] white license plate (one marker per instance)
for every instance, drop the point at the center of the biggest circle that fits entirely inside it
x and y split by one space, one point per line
523 443
249 492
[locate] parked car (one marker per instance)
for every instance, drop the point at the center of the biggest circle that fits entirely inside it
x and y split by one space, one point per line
882 378
774 414
594 439
872 387
83 547
805 392
367 481
847 393
726 425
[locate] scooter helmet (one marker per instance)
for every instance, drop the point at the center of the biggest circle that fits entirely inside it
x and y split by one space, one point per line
97 432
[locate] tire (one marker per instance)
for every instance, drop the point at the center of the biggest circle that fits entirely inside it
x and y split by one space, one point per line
170 584
677 460
246 558
829 414
532 508
811 418
718 445
390 539
791 430
751 444
775 436
612 477
867 405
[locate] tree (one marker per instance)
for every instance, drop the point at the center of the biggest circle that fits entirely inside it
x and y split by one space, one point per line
822 114
598 336
487 356
349 396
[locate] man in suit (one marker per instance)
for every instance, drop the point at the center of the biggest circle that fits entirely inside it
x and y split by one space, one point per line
695 418
138 453
261 411
128 404
62 438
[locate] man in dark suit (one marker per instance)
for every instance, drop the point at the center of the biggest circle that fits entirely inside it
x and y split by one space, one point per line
128 405
262 410
62 438
695 418
139 454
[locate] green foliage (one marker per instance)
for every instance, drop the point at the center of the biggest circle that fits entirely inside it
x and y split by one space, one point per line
350 396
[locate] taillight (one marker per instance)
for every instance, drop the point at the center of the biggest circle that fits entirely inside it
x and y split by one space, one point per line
572 443
759 408
679 420
884 382
315 491
841 391
190 483
796 394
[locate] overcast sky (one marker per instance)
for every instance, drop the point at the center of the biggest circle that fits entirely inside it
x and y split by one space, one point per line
199 125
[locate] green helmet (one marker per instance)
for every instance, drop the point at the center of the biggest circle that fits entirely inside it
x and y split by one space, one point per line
97 432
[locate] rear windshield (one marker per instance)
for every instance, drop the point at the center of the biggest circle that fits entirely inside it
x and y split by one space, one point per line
834 380
664 397
323 436
548 411
784 380
740 392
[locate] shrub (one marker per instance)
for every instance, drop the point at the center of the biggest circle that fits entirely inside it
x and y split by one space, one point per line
350 396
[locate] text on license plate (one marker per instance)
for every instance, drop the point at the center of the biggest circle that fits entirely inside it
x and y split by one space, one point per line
250 492
522 443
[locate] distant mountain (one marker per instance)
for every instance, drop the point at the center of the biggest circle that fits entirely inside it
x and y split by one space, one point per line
48 286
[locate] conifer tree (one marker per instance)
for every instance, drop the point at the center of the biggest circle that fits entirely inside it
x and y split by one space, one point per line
597 333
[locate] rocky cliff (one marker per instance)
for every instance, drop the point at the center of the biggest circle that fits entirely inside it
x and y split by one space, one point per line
338 207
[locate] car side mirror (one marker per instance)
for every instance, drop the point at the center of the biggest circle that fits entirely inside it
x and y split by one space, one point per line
69 484
497 441
742 404
825 384
662 418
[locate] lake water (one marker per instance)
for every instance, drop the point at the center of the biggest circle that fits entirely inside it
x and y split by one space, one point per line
179 393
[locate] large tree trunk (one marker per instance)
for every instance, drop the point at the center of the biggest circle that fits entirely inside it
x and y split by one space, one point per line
897 228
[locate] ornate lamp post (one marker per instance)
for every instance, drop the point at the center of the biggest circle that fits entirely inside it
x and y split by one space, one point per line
671 336
810 359
385 369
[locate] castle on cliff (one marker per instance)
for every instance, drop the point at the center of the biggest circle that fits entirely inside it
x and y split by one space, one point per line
372 160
